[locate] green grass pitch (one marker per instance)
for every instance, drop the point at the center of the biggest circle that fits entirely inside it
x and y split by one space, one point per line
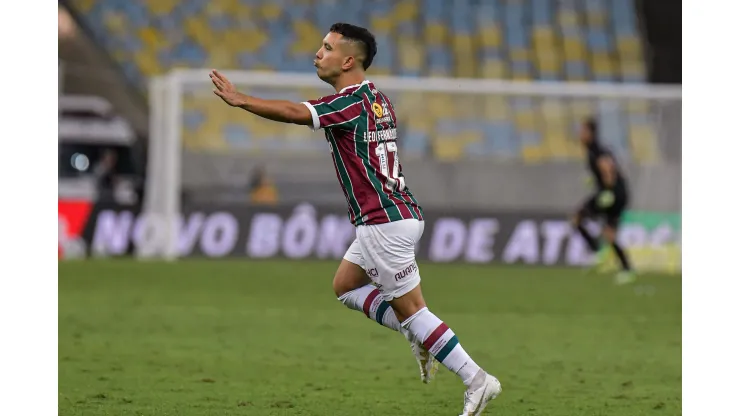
269 338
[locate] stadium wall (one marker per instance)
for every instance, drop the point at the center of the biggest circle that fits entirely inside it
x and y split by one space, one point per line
549 187
307 231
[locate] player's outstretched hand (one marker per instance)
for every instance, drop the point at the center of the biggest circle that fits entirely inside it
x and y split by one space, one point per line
226 90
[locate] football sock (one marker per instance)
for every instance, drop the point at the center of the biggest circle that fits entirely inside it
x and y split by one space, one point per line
590 240
367 299
622 257
442 343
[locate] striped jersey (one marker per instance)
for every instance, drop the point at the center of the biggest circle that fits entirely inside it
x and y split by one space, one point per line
360 125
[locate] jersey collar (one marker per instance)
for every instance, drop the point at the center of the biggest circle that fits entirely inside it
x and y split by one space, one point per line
354 86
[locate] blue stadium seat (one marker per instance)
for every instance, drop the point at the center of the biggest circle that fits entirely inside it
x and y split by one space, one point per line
567 40
542 13
116 25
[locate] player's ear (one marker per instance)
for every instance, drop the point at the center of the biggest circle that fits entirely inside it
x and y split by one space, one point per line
349 61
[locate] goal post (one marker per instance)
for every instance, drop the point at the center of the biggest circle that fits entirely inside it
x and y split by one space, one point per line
161 206
500 121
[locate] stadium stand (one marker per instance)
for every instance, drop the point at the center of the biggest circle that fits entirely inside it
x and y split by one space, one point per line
565 40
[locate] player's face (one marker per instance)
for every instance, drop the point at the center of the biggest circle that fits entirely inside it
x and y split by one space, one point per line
330 58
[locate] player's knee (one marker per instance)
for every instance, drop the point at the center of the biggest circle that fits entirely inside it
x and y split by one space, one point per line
340 286
349 276
346 282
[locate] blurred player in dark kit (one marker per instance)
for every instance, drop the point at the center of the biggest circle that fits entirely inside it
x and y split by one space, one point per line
607 203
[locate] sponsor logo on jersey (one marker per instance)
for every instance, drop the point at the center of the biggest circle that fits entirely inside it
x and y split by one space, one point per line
382 114
372 272
378 110
410 269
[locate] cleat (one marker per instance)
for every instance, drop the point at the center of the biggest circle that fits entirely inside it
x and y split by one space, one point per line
480 393
625 277
601 262
427 364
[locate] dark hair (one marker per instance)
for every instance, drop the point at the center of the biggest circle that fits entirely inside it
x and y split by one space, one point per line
593 126
361 35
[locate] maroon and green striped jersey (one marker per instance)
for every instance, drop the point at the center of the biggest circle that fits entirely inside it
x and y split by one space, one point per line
360 125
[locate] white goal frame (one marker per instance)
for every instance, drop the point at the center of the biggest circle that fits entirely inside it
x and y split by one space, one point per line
163 182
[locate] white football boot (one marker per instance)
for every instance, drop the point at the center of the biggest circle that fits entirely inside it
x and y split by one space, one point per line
484 388
427 364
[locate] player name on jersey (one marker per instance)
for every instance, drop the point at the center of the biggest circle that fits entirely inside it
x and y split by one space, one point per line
380 135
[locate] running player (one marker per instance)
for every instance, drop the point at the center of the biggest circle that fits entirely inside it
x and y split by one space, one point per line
379 275
608 202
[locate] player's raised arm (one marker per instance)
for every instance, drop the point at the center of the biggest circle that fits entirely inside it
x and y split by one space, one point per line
337 110
276 110
606 167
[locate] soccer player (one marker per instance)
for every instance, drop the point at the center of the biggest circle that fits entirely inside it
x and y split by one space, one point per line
379 275
608 202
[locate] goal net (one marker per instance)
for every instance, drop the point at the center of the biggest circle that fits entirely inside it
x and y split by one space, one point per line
502 145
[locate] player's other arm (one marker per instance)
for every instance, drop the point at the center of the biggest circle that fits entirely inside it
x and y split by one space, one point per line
608 172
606 167
276 110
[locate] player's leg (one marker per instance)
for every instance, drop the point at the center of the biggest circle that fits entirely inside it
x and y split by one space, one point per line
626 275
390 248
587 209
353 288
610 236
590 209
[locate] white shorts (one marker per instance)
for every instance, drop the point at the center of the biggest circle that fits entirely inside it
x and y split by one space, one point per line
387 252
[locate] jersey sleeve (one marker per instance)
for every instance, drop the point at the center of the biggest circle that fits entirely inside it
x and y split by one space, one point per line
338 110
